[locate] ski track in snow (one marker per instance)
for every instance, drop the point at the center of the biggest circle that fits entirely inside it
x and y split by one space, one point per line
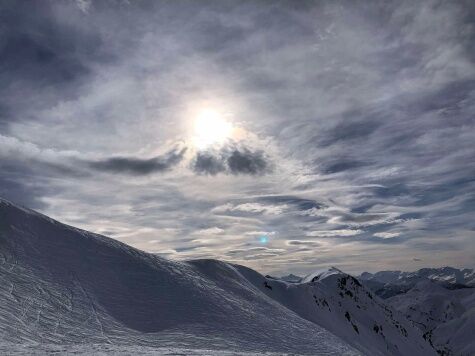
124 350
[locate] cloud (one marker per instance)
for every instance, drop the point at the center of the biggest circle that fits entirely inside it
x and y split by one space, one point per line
302 243
12 148
342 165
254 253
53 162
333 233
207 163
365 219
210 231
298 203
44 59
386 235
261 233
273 210
231 160
84 5
139 166
246 162
250 208
364 115
350 130
26 192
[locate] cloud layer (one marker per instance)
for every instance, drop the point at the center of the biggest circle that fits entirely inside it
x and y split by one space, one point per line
353 125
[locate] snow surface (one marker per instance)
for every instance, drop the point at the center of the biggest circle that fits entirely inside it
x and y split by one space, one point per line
117 350
339 303
447 317
69 289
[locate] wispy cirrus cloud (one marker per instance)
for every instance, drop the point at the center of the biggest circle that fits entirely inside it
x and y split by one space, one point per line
357 127
333 233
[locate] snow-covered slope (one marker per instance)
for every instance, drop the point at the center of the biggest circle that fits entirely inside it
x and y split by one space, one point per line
62 285
444 275
339 303
447 317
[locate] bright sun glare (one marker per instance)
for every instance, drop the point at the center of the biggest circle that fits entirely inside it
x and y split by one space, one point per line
210 128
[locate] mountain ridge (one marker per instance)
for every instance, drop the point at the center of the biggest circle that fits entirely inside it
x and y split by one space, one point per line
464 276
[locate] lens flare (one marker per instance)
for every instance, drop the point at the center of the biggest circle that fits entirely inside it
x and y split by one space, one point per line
263 239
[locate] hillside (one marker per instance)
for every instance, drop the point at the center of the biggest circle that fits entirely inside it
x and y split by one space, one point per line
62 285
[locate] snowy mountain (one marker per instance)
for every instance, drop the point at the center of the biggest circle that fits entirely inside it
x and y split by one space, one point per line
447 317
444 275
63 286
339 303
60 285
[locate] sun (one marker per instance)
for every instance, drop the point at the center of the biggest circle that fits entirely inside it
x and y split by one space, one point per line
210 128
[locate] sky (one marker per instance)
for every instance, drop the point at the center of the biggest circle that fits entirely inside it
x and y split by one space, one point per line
286 136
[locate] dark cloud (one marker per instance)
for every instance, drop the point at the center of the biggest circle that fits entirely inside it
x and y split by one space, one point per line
22 185
207 163
231 160
43 59
139 166
21 193
36 47
245 161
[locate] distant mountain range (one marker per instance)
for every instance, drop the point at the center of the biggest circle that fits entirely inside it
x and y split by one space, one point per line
447 275
447 316
440 301
63 286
